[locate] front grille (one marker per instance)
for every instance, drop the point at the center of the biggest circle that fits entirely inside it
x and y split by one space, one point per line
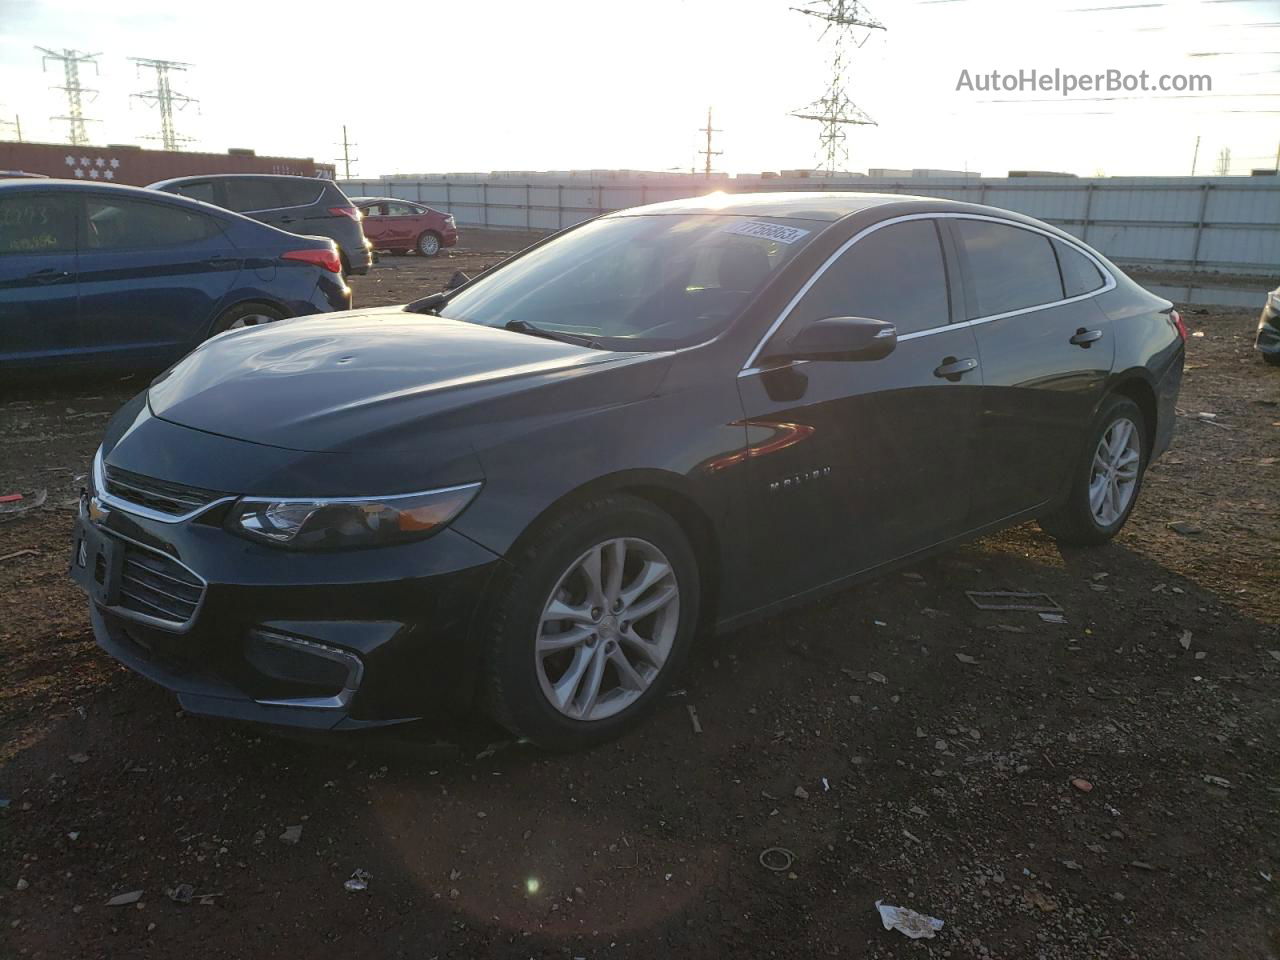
174 499
157 586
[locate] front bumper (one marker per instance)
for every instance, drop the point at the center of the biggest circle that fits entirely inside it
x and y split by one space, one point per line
342 640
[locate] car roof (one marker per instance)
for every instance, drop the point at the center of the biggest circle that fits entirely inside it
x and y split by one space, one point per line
236 176
828 206
366 200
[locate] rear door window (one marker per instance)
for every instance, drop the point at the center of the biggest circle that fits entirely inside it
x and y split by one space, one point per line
1079 275
298 193
114 223
374 210
1010 268
37 223
894 274
246 194
401 210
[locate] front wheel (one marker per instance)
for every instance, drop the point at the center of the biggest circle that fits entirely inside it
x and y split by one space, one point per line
428 244
1106 484
591 624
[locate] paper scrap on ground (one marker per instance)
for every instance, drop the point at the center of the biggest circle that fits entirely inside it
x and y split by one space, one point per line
915 925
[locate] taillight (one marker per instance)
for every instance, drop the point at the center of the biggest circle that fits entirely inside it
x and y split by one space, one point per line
328 259
1181 327
351 212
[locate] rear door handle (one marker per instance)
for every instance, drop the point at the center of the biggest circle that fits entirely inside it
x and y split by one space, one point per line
50 275
287 219
953 369
217 262
1085 337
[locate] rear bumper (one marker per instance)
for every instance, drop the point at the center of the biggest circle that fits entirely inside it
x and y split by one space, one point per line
1166 390
1268 339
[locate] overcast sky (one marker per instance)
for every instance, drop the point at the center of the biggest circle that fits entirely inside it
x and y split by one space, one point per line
515 85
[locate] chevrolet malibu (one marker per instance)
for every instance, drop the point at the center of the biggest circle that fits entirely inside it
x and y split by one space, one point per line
531 493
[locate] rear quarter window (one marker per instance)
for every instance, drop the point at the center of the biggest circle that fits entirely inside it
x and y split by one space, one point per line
298 193
196 191
1010 268
1079 275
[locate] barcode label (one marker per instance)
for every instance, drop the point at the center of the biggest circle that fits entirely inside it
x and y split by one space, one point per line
767 231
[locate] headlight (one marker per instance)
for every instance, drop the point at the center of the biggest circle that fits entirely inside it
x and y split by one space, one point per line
345 522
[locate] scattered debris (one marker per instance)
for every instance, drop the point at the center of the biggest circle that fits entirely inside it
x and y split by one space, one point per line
124 899
1141 865
359 880
801 793
492 748
1081 784
826 787
911 836
1053 618
1222 782
877 677
1184 527
1072 865
1006 628
965 658
915 925
1037 899
777 859
1275 654
693 717
20 553
22 884
292 834
15 505
1012 600
1185 640
78 757
182 893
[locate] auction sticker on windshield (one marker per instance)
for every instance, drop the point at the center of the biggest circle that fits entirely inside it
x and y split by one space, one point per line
767 231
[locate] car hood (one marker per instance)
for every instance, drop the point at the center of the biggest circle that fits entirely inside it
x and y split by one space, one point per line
374 379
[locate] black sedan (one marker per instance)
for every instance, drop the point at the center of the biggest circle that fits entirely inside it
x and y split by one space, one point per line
532 492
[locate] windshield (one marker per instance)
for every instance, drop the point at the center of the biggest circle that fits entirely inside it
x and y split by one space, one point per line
638 282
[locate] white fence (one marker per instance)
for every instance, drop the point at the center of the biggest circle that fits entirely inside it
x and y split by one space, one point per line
1226 224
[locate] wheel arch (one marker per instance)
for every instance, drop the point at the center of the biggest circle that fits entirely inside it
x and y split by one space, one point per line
667 491
254 300
1135 386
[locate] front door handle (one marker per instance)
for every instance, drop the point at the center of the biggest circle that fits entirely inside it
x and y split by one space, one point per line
287 219
219 262
953 369
1085 337
49 275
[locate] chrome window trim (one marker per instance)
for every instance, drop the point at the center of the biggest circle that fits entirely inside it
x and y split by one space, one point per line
353 663
1109 280
137 509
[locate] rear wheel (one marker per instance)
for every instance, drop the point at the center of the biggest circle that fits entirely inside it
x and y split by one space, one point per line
246 315
1106 483
593 621
429 244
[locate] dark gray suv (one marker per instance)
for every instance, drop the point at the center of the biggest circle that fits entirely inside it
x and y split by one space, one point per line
303 205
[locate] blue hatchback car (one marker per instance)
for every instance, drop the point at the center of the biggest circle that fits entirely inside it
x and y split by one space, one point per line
113 275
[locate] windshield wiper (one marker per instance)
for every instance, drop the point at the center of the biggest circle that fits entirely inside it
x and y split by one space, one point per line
524 326
428 304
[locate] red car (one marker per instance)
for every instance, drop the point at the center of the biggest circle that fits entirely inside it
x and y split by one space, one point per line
399 226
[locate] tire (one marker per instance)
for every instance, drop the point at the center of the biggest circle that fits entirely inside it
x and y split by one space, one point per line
429 244
531 658
246 315
1086 520
1272 359
346 265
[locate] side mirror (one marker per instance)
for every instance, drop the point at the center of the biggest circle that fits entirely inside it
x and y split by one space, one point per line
457 280
838 338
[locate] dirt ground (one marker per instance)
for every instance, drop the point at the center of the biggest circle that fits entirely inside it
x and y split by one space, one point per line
900 744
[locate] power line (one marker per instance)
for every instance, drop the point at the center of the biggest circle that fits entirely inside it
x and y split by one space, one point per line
709 130
164 97
71 60
834 110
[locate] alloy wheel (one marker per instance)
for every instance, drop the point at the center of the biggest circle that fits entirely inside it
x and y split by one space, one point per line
429 245
1113 479
607 629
